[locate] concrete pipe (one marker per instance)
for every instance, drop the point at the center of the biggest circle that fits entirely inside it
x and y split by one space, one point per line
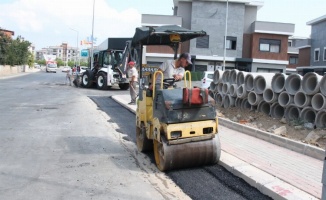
308 114
318 102
217 76
293 83
323 85
229 101
212 87
292 112
261 82
226 88
212 94
278 82
245 104
242 92
285 99
277 111
219 99
233 90
233 76
302 100
241 77
269 96
249 82
254 99
226 76
321 119
238 102
264 107
311 83
220 87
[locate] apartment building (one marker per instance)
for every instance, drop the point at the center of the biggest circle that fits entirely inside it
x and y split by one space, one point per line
63 52
251 45
7 32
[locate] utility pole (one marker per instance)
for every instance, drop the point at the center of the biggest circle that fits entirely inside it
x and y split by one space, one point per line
92 57
225 34
77 54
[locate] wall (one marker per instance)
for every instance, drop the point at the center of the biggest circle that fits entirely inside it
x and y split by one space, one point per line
318 40
7 70
304 57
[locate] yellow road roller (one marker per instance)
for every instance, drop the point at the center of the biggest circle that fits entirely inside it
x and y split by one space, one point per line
179 124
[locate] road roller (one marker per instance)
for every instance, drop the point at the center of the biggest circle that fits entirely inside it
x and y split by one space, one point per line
178 123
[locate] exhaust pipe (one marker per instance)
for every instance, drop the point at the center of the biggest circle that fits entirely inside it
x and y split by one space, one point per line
229 101
242 92
311 83
233 76
318 102
308 114
285 99
233 90
302 100
254 99
262 82
217 78
277 111
292 112
278 82
264 107
241 77
269 96
321 119
293 83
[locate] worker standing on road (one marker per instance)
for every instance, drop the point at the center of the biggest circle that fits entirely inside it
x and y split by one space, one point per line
133 79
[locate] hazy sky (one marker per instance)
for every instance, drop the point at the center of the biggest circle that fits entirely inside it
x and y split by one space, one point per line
50 22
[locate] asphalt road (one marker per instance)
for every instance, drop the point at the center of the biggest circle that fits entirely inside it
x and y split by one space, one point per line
55 143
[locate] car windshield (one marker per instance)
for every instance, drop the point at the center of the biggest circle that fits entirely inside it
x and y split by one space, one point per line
211 76
52 65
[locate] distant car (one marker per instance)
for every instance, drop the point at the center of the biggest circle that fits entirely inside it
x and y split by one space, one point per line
66 69
207 79
51 67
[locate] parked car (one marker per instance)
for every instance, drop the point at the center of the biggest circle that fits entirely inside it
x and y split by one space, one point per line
207 79
66 69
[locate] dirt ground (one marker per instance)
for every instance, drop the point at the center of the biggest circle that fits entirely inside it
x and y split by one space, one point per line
294 130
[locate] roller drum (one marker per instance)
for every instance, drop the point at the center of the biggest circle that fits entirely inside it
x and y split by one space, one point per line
191 154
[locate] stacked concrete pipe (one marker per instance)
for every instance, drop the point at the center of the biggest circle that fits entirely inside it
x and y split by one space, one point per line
233 76
292 112
301 99
321 119
264 107
318 102
254 99
238 102
226 76
308 114
278 82
245 104
262 82
212 87
241 77
220 88
270 96
217 76
323 85
242 92
311 83
229 101
293 83
285 99
233 90
226 88
277 111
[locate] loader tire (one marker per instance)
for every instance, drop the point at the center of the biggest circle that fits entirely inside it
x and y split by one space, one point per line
87 79
101 82
143 143
124 86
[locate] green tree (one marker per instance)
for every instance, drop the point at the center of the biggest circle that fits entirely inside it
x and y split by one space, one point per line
5 42
14 52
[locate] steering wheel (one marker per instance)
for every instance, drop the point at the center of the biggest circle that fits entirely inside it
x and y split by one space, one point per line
168 82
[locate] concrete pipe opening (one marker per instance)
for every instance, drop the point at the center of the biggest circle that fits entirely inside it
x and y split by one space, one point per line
241 78
278 82
261 82
269 96
245 104
308 114
226 88
233 76
321 119
229 101
217 76
264 107
241 92
249 82
292 112
277 111
302 100
323 85
254 99
220 87
238 102
318 102
226 76
233 90
311 83
293 83
219 99
285 99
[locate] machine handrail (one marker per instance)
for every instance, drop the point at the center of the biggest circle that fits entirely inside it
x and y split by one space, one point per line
189 80
154 81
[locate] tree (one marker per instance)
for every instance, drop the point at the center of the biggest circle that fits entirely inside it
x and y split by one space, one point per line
5 42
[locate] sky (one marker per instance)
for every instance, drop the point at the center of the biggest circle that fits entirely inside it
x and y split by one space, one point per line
49 23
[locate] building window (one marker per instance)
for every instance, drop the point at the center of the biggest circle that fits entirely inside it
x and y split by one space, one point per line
269 45
316 55
324 53
290 43
293 60
231 43
202 42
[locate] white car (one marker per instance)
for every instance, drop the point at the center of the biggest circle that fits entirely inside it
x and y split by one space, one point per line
66 69
207 79
51 67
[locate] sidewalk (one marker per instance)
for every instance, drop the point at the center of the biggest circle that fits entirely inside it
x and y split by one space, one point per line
275 171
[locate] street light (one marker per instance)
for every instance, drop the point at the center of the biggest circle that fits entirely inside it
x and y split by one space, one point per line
77 55
92 57
226 29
